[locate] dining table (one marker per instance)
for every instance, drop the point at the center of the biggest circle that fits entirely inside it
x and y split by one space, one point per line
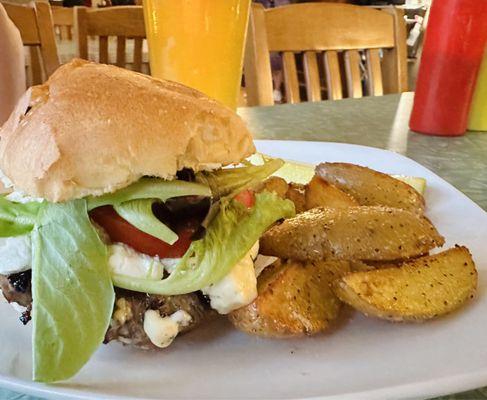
380 122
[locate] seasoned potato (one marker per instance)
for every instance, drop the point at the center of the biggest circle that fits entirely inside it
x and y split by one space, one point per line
294 299
295 193
371 188
319 193
274 184
354 233
421 289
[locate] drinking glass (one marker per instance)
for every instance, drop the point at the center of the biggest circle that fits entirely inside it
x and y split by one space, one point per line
199 43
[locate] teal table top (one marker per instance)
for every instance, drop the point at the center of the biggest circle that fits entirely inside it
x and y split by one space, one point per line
378 122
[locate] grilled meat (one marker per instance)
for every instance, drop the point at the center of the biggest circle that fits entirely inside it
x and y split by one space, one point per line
127 324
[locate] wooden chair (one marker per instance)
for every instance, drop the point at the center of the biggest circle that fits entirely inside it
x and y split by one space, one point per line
63 20
34 22
330 40
124 22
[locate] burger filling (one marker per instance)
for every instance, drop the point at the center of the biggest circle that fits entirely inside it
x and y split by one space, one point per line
139 265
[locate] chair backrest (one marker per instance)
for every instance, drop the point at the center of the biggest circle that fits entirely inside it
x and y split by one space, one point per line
34 22
126 23
63 20
339 50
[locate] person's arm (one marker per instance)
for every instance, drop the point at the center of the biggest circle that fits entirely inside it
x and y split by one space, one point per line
12 66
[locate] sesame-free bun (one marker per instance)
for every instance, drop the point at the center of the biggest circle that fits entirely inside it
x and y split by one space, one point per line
94 128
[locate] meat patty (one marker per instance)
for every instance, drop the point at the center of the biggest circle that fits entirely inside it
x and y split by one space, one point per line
127 323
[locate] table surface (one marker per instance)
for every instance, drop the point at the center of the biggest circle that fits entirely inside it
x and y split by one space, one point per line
378 122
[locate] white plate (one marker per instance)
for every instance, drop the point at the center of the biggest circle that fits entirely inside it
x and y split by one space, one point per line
365 358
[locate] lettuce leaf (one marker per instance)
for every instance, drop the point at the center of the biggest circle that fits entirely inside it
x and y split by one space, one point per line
72 292
17 218
149 188
228 238
230 181
139 214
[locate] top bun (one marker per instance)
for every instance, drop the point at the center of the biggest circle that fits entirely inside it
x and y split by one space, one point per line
94 128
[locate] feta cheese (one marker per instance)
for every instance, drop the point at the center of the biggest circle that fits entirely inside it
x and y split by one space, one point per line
19 197
15 254
163 330
124 260
237 289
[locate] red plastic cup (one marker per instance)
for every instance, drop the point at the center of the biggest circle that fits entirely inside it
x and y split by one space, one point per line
454 44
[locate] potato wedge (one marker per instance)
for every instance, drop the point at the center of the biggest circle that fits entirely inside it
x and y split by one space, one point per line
354 233
425 288
294 299
319 193
274 184
371 188
295 193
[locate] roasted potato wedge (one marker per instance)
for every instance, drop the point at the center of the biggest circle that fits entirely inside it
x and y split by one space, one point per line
295 193
424 288
294 299
319 193
275 184
371 188
354 233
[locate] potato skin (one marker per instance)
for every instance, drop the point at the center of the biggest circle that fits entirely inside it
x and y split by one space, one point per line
354 233
291 191
320 193
418 290
371 188
294 300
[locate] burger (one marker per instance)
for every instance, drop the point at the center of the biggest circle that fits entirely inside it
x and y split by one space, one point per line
129 213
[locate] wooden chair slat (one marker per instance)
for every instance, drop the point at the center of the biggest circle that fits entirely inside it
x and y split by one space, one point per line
137 65
327 26
333 75
291 83
48 47
352 70
338 30
123 22
103 50
258 75
35 65
394 61
312 76
121 51
34 22
80 32
374 72
25 19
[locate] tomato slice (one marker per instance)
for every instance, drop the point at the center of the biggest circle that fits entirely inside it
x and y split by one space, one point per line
119 230
246 197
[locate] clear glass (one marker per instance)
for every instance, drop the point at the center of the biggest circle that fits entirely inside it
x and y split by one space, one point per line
199 43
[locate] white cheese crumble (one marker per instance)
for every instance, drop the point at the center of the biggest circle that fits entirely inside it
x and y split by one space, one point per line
238 288
19 197
15 254
124 260
163 330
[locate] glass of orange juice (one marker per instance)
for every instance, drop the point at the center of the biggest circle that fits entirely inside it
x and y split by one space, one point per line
199 43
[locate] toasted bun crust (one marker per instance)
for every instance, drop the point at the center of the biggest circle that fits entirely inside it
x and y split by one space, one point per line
95 128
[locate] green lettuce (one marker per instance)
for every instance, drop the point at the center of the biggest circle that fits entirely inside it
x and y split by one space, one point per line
150 188
228 238
139 214
17 218
230 181
72 292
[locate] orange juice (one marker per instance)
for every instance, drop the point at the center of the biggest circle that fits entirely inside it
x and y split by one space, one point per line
199 43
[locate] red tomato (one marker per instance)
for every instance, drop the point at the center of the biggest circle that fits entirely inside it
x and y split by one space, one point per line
246 197
119 230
